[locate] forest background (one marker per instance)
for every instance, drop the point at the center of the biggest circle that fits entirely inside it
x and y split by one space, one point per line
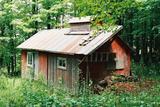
20 19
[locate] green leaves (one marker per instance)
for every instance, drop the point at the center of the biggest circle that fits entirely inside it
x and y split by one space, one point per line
106 11
18 92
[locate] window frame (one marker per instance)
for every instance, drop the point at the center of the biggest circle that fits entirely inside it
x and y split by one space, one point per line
28 62
64 62
119 63
114 62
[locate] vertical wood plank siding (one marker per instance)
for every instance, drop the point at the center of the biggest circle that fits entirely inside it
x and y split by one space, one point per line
69 67
122 52
68 77
43 64
73 73
50 78
24 63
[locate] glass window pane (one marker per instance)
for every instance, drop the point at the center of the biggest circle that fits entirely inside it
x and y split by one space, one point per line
61 63
30 58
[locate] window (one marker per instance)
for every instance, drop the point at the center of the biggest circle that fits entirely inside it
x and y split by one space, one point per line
30 59
114 62
61 63
111 63
119 63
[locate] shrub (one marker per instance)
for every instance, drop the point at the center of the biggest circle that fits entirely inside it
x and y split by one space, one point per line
141 69
10 94
17 92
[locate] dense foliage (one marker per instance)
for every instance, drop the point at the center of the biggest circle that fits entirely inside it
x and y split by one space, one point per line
20 19
140 19
19 92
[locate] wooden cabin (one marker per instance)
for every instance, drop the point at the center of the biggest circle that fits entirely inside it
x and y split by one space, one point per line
75 53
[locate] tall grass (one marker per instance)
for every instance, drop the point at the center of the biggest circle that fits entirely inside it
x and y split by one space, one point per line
10 95
25 93
18 92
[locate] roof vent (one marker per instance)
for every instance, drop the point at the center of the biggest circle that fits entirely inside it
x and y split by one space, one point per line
80 26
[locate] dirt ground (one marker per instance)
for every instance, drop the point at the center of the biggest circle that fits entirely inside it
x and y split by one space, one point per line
138 86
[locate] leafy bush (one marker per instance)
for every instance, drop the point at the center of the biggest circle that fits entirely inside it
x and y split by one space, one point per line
141 69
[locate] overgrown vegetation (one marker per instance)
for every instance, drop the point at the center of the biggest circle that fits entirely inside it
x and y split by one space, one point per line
143 70
20 19
16 92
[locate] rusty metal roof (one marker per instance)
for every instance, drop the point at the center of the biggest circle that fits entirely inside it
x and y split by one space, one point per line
56 41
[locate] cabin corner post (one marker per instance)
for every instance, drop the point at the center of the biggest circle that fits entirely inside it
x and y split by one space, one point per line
47 74
24 64
81 78
87 71
87 81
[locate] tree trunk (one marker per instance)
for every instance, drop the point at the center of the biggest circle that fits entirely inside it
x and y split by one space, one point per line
48 21
35 11
8 69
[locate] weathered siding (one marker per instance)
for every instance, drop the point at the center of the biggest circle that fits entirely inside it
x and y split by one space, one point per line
43 64
80 27
51 68
98 70
68 76
73 72
40 61
122 52
48 68
36 65
23 63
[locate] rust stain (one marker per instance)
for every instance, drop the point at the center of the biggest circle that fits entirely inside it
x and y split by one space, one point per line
72 44
24 61
43 63
56 41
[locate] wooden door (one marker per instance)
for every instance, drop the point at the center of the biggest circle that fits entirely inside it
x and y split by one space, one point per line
36 64
51 69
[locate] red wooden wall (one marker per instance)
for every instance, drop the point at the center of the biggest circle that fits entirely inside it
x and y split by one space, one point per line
98 70
43 64
42 59
23 63
123 52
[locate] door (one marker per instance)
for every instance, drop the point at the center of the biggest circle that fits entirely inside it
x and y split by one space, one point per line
51 69
35 64
32 65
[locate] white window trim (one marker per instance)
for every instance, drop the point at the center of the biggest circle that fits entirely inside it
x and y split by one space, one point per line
29 65
119 63
61 67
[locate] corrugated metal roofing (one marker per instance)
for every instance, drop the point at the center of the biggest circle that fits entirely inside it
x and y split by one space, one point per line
56 41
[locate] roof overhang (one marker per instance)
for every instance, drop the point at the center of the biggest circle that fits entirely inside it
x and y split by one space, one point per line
55 41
